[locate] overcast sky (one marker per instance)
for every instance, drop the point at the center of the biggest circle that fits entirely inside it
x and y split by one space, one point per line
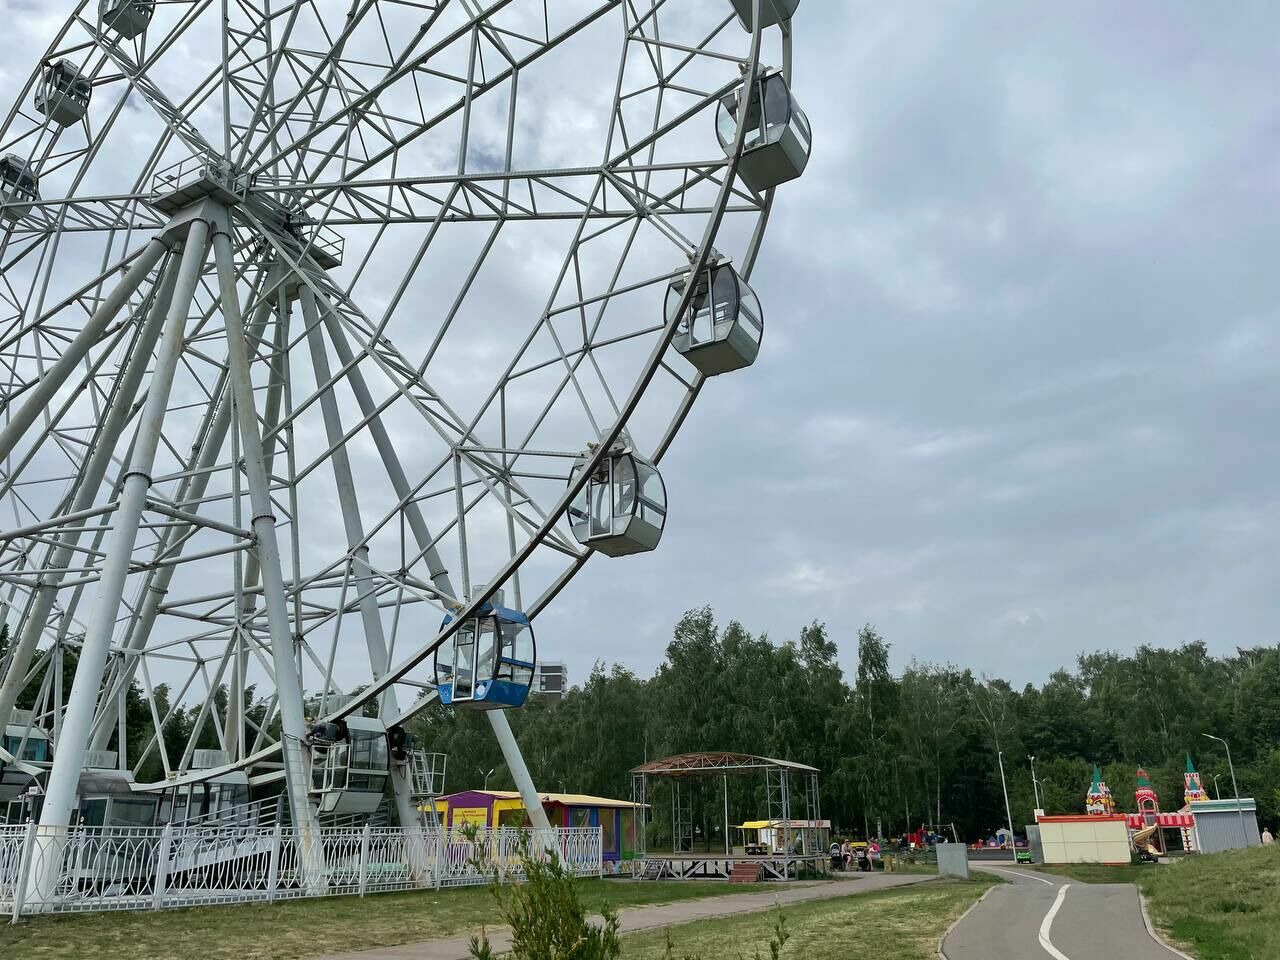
1018 388
1018 391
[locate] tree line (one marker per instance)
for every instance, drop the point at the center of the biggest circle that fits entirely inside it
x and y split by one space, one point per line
895 751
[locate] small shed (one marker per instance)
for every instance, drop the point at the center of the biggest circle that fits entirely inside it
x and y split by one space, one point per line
1225 824
1085 839
504 808
762 837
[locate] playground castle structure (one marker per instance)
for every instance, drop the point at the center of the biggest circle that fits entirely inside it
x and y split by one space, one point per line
1148 824
1099 802
1192 790
1146 827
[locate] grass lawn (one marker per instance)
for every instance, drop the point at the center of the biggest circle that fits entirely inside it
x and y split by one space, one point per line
1218 907
1098 873
896 924
303 928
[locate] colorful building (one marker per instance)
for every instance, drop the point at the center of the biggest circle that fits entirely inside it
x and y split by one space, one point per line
504 808
1149 824
1192 791
1099 802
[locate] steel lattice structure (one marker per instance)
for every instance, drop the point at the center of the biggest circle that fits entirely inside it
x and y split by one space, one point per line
307 312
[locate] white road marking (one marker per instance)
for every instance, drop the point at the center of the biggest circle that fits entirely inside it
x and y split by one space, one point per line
1047 924
1019 873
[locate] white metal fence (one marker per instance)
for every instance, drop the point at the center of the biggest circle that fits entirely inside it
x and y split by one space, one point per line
113 868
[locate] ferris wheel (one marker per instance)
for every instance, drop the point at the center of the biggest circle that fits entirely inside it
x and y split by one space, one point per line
334 339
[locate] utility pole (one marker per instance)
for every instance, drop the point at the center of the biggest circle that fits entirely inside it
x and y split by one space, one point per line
1007 812
1244 837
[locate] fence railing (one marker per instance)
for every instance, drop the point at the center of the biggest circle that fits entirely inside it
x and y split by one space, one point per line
115 868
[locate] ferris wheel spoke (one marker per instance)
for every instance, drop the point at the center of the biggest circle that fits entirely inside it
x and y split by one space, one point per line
178 122
77 215
410 385
349 118
312 83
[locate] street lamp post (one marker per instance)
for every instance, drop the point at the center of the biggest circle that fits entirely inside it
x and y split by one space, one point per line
1035 784
1234 786
1217 794
1007 812
480 770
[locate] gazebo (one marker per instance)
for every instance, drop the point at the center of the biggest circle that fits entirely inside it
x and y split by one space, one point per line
794 844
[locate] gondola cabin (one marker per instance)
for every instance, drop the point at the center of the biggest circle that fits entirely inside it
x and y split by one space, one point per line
63 93
19 187
222 800
350 764
721 325
30 747
623 506
771 11
488 662
778 139
128 18
105 797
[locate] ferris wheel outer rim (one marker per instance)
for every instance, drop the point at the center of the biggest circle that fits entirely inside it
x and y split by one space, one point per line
396 673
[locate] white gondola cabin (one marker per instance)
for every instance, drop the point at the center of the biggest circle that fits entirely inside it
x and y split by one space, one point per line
19 187
721 326
128 18
623 506
778 139
350 764
63 93
771 11
488 662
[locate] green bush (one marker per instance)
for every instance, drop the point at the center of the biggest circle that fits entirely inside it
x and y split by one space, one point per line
549 922
547 919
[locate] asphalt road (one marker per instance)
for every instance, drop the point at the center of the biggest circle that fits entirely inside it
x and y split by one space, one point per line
1038 916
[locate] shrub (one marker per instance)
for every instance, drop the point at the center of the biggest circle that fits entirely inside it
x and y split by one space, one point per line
547 918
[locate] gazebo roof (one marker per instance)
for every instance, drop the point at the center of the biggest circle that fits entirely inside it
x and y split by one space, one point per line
718 762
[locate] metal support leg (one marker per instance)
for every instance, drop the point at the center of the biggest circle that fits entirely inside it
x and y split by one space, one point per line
293 722
362 575
681 816
191 489
60 797
639 812
728 849
37 613
515 763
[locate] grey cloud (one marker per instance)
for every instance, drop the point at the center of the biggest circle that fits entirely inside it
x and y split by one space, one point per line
1021 405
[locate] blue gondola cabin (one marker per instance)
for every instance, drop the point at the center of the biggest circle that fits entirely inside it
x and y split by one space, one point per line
488 663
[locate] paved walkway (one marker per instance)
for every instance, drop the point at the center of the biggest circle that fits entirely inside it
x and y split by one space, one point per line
1039 916
632 919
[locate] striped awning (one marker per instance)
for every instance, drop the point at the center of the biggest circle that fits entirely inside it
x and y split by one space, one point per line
1137 820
